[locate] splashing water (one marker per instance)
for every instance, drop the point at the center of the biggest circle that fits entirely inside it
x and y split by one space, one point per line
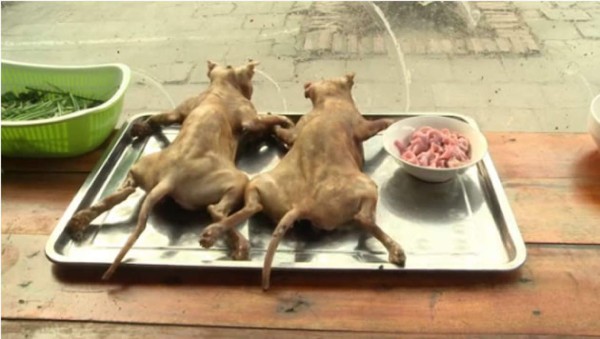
473 16
266 76
156 84
573 69
400 55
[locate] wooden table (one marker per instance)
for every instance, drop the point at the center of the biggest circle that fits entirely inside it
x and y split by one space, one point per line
553 184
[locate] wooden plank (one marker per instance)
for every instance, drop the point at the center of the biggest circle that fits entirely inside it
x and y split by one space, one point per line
82 163
547 210
516 155
552 294
32 203
556 210
21 329
544 155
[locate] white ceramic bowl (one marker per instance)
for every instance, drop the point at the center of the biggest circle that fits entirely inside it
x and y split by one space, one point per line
594 120
403 129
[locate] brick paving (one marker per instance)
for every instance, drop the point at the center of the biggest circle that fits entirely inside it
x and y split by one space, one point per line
511 35
523 71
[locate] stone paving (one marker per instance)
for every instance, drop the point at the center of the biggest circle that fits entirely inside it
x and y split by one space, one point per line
527 66
507 33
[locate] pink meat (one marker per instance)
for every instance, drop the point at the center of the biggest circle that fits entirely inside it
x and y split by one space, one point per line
430 147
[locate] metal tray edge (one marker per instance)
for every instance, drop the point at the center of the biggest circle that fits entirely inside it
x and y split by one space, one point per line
50 252
512 228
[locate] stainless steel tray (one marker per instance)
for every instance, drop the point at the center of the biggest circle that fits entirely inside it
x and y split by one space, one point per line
463 224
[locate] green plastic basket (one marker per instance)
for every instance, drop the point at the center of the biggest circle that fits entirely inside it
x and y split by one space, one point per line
72 134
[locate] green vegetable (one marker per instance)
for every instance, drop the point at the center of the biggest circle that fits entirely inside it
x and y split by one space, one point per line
42 104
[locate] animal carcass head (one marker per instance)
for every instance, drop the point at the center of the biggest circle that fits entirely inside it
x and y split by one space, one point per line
319 90
240 77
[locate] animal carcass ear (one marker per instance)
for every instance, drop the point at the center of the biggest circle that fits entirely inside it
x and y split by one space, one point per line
250 66
307 89
211 66
350 79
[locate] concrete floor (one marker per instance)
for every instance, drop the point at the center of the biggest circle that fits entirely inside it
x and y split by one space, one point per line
547 87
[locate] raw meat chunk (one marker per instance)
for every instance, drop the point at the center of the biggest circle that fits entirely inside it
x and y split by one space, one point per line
436 148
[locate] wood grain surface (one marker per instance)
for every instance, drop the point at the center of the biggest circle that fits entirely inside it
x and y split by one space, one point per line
554 198
32 203
563 211
533 300
552 182
515 155
26 329
544 155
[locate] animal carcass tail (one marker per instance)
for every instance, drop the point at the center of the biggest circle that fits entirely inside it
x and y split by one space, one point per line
286 222
154 196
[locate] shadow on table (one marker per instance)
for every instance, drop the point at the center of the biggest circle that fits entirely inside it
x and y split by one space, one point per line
587 171
281 278
589 164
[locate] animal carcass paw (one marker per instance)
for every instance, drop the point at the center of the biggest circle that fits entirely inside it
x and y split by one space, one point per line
210 235
241 253
397 257
78 224
141 129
